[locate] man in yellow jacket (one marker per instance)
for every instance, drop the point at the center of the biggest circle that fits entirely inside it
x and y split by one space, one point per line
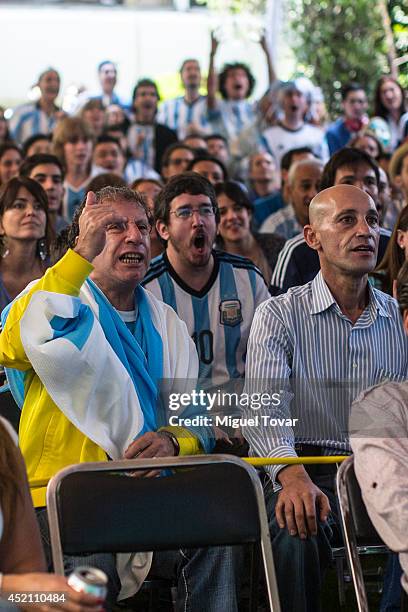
93 347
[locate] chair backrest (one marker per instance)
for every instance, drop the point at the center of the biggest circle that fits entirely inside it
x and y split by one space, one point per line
358 529
366 534
204 501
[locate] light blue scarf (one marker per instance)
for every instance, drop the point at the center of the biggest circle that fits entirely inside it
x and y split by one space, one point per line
144 366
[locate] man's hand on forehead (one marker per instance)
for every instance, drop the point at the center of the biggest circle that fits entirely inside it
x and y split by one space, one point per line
94 219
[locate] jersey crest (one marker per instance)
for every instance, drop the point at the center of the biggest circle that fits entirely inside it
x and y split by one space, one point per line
230 312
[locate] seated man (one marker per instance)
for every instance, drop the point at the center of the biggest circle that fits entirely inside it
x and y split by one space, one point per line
303 184
175 159
355 104
213 292
297 263
47 170
318 346
264 207
217 146
107 156
93 347
263 175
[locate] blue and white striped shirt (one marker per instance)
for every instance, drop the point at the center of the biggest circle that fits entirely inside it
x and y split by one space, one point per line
73 197
178 115
28 120
141 143
282 222
136 169
304 348
218 317
230 117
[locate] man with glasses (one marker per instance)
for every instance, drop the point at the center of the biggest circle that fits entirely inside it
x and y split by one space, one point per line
213 292
354 119
175 160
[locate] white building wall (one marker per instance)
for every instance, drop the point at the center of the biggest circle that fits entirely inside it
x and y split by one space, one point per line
142 42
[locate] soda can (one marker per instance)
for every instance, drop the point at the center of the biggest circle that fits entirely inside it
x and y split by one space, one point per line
89 580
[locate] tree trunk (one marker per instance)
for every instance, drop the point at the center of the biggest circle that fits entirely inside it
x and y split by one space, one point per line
389 37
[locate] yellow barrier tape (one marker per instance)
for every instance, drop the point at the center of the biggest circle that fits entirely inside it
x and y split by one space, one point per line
259 461
255 461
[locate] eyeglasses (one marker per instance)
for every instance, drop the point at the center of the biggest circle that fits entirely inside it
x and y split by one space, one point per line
177 161
186 212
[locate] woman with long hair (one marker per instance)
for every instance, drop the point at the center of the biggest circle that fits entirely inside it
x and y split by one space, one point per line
11 159
25 236
22 563
73 143
395 255
234 229
390 105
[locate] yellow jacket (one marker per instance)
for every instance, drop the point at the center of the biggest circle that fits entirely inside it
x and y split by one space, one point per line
48 440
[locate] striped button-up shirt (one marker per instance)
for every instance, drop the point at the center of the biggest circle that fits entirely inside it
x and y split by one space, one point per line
307 355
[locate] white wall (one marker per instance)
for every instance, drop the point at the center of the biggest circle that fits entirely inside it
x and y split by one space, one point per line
142 43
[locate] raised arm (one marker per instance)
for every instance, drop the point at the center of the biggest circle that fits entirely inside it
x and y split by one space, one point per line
269 62
66 277
212 79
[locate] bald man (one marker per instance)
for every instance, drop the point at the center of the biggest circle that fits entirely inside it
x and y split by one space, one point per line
303 184
318 346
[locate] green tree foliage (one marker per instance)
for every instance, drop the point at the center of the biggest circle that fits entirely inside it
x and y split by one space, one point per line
398 10
337 41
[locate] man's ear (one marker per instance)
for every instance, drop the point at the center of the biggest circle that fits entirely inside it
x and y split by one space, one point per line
311 237
162 229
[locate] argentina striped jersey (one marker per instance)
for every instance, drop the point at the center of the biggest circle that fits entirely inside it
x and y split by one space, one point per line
178 114
28 120
73 197
230 117
218 317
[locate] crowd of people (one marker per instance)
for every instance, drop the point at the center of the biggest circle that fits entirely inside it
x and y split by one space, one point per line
208 240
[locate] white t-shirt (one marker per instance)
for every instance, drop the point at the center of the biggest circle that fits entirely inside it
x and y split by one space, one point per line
279 140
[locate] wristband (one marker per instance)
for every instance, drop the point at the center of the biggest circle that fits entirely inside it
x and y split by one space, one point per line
173 439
